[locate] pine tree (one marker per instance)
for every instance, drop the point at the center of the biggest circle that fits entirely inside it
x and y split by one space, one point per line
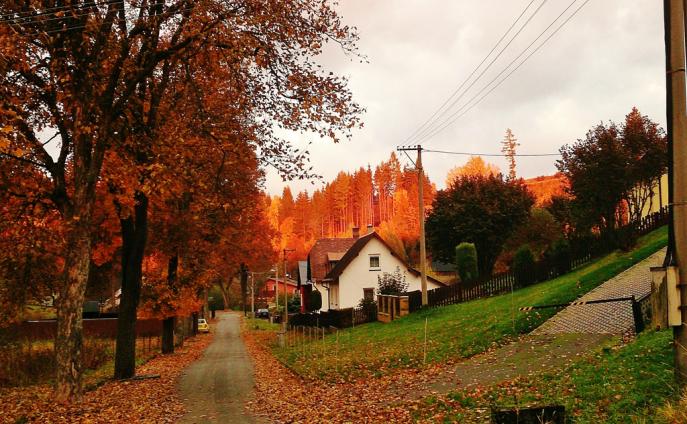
509 144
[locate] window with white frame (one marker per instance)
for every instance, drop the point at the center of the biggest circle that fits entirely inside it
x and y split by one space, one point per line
374 263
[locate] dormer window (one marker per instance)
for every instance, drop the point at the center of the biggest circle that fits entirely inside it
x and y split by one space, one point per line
374 263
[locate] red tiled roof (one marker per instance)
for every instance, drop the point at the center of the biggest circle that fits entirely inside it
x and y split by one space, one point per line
289 281
318 257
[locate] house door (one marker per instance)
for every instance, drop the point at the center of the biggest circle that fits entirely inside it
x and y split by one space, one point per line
334 296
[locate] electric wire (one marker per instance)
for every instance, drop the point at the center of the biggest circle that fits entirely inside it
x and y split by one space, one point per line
467 89
56 10
455 92
457 114
447 152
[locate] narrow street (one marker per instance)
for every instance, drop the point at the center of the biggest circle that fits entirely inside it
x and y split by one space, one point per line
216 387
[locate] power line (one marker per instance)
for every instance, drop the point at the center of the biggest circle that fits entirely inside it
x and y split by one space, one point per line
82 26
472 84
57 9
457 114
447 152
455 92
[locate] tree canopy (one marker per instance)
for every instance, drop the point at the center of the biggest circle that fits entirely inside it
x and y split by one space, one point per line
614 165
478 209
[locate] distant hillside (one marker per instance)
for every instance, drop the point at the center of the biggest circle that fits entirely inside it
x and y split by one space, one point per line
547 186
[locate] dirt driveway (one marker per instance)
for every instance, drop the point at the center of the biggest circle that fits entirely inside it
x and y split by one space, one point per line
216 387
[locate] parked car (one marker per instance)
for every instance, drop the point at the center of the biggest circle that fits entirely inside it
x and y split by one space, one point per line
203 325
262 313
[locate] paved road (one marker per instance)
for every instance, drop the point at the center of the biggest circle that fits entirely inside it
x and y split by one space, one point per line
606 318
216 387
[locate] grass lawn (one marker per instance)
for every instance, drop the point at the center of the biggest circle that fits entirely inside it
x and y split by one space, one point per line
615 385
456 331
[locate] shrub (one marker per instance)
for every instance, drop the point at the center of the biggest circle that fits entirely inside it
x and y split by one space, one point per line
315 301
524 266
367 304
559 256
466 262
392 283
626 237
294 303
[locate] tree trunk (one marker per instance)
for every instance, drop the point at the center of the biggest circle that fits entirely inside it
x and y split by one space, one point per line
69 311
224 288
168 323
194 323
168 335
134 234
244 287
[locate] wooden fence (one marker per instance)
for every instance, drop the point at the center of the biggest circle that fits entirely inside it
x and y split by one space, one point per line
102 328
583 251
339 318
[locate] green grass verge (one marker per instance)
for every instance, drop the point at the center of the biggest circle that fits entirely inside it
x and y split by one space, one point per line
261 324
455 331
614 385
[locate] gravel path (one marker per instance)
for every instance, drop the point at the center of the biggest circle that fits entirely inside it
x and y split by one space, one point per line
216 387
606 318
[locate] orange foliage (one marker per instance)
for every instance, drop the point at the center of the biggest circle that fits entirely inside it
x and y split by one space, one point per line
474 166
385 199
546 187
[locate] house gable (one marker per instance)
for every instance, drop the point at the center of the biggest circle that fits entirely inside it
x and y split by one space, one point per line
359 246
323 253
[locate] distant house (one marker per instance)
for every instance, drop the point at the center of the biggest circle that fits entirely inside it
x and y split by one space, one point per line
345 270
445 272
268 291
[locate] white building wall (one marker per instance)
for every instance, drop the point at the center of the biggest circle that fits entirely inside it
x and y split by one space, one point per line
358 275
325 296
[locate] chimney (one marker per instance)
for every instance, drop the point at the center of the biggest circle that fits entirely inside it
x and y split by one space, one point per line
370 229
356 232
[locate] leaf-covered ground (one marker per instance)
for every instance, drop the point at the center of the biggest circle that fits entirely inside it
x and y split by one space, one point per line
135 401
613 382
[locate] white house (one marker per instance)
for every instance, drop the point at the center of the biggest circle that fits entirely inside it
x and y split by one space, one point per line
345 270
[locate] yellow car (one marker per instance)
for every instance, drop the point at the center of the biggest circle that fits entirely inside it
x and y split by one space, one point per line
203 326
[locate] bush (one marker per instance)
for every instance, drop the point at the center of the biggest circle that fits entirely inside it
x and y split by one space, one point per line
466 262
367 304
294 303
626 238
559 256
392 283
315 301
524 266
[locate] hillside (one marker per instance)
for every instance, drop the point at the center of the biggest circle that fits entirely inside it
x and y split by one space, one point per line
547 186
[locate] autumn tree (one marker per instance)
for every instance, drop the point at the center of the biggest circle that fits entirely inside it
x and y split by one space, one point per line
474 166
628 159
74 74
508 146
484 210
89 75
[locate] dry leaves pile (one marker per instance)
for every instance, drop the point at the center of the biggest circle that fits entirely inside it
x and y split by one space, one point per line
286 398
135 401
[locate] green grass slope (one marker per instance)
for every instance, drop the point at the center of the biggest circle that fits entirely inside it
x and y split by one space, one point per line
628 384
455 331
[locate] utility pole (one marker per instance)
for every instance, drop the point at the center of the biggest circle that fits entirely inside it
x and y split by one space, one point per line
421 208
252 294
676 107
276 285
286 291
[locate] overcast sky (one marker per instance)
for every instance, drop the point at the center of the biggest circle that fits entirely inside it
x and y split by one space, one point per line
608 58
